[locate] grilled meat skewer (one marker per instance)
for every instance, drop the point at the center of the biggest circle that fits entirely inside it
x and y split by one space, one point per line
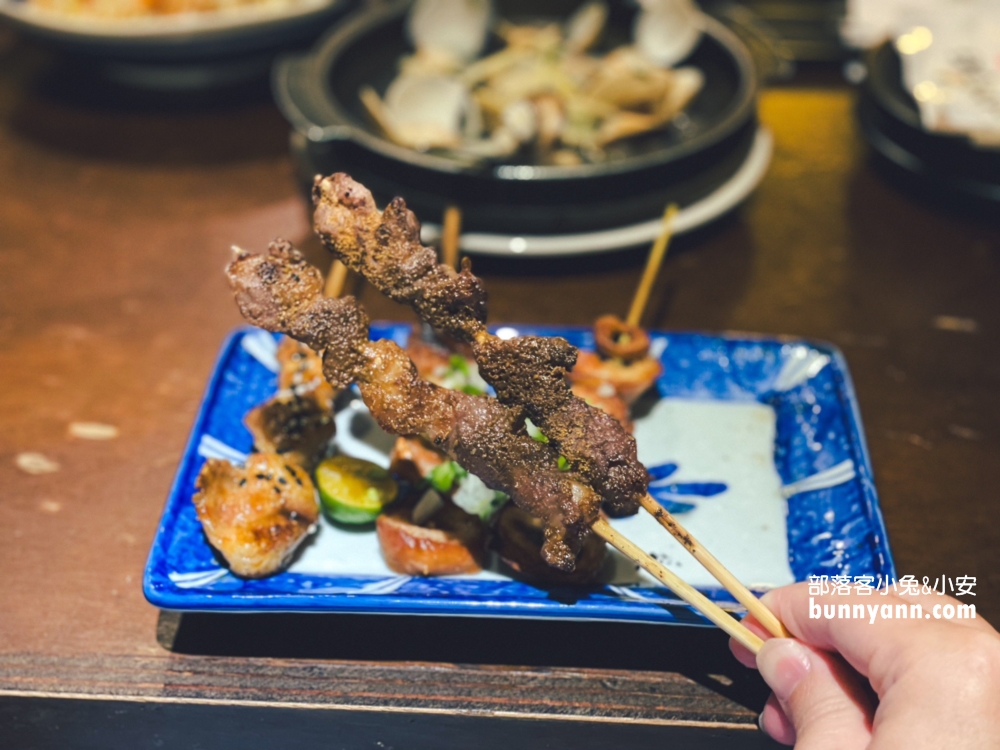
528 372
282 292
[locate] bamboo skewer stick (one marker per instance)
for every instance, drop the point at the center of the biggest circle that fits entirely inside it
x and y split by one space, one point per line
679 586
451 228
730 582
652 270
335 279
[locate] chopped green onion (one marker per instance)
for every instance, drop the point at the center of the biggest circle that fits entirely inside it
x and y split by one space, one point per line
563 464
474 497
460 375
443 476
458 362
534 432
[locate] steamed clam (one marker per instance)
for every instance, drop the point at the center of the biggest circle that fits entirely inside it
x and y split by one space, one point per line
455 27
424 111
543 93
584 27
666 31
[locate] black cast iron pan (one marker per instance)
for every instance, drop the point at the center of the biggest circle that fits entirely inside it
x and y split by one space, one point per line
318 93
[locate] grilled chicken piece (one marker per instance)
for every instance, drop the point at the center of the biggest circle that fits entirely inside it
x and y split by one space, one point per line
298 421
301 372
257 515
297 427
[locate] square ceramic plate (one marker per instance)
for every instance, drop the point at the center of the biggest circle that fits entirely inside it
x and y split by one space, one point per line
756 443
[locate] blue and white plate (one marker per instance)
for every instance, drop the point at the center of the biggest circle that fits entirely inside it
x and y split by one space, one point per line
755 442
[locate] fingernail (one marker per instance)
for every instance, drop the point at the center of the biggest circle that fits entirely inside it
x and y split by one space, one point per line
760 723
783 662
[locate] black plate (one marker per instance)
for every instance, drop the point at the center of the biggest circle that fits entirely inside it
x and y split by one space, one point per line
890 121
318 93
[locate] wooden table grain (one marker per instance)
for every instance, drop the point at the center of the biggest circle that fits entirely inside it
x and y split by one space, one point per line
116 217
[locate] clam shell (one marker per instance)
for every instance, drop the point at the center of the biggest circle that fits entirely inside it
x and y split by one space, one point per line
427 111
458 27
667 31
585 26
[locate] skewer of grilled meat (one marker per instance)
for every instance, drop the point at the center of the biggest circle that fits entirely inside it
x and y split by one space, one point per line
527 372
282 292
518 539
298 421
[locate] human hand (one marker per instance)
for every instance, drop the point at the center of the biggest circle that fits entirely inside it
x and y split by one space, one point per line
847 684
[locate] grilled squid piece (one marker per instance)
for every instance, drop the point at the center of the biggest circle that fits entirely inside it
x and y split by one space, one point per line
616 338
298 422
257 515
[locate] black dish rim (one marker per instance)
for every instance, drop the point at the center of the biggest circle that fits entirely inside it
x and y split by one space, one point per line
196 46
336 124
596 212
878 133
949 163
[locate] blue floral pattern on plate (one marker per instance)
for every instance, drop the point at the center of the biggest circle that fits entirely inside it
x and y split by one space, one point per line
670 494
834 524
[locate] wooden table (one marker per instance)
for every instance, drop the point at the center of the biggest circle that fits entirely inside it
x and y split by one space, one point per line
115 221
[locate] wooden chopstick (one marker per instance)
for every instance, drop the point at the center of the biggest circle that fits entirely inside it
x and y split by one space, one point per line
679 586
451 228
653 262
730 582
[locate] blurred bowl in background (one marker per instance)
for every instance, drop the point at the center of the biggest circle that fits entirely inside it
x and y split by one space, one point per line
944 163
318 93
179 51
174 36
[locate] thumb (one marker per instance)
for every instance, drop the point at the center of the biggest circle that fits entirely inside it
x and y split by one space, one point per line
819 693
